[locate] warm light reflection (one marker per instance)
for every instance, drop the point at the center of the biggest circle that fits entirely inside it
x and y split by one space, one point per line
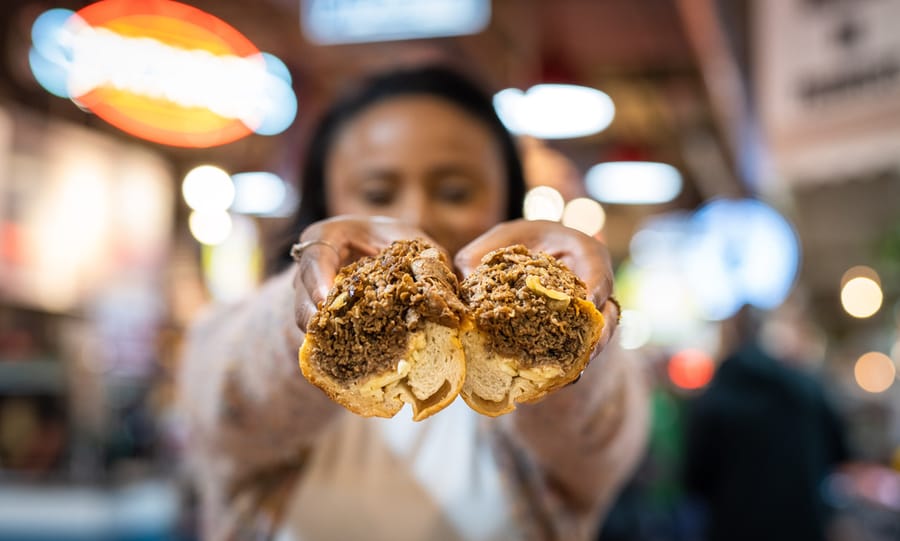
633 183
858 271
554 111
874 372
861 297
142 208
691 369
635 329
208 188
210 226
75 231
543 203
585 215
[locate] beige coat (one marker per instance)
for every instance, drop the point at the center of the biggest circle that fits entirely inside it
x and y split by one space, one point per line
273 458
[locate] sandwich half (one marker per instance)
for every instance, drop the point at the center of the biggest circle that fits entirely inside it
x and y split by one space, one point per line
531 329
388 334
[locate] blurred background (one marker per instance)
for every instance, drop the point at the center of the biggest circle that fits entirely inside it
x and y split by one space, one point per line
730 152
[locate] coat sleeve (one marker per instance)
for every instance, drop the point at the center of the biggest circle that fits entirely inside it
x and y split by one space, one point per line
574 450
249 414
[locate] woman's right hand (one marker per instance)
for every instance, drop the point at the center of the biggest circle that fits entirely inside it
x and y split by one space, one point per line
328 245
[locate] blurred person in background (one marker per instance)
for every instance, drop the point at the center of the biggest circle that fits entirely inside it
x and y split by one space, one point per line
410 153
760 442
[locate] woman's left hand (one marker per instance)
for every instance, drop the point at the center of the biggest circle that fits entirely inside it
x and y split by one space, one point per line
586 256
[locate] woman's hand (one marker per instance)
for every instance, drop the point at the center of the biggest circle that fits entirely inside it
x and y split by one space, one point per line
586 256
328 245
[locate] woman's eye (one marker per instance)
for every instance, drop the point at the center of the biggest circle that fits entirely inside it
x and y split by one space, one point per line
378 197
454 193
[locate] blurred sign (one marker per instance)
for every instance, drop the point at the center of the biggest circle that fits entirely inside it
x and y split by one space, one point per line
728 253
78 211
829 85
329 22
162 71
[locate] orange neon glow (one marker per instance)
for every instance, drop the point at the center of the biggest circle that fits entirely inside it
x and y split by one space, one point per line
691 369
156 118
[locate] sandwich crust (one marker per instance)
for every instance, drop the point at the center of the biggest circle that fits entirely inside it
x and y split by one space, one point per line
388 334
532 329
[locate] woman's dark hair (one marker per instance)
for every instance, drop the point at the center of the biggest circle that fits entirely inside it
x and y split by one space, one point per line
433 80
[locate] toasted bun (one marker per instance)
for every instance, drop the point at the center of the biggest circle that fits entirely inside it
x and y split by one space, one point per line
388 334
429 376
531 330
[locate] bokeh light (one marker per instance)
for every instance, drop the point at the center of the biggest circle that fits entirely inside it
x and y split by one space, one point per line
232 268
658 241
740 251
661 295
259 193
861 297
47 58
633 183
585 215
635 329
861 294
208 188
554 111
874 372
210 226
326 22
543 203
691 369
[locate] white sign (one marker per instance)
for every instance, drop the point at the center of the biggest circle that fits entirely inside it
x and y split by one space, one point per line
330 22
828 75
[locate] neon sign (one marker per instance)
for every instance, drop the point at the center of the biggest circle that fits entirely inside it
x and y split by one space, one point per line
163 71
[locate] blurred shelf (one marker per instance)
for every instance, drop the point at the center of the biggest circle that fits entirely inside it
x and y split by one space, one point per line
147 510
37 376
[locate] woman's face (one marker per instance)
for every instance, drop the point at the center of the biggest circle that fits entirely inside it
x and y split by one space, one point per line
422 160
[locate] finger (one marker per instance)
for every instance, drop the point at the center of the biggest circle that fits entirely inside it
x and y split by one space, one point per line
611 313
359 236
600 285
544 236
316 270
304 307
333 244
469 256
394 229
336 242
585 256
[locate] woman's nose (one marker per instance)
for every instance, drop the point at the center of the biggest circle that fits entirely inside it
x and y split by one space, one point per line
414 208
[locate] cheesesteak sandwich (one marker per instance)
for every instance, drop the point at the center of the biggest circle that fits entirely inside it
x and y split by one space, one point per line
388 334
531 329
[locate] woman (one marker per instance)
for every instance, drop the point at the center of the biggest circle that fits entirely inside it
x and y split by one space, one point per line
411 154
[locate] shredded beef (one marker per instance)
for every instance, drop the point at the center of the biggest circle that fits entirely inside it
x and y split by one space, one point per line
363 326
519 320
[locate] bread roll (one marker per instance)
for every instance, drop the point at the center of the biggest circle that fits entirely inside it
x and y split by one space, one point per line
388 334
530 330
